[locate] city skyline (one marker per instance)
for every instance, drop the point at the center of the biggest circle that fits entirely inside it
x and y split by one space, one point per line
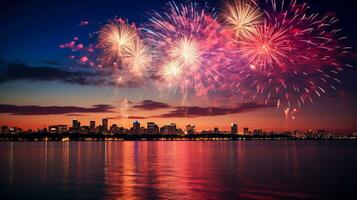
151 127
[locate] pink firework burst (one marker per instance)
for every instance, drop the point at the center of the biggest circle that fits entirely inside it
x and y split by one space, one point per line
291 59
188 47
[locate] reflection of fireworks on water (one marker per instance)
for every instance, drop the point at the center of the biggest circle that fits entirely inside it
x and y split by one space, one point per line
291 58
187 40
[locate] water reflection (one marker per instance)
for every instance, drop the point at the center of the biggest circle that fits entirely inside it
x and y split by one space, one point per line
184 170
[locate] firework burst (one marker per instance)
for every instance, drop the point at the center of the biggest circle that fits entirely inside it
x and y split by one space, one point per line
291 59
242 17
138 59
267 46
117 38
190 38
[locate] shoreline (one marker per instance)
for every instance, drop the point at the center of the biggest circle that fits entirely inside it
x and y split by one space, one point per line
127 137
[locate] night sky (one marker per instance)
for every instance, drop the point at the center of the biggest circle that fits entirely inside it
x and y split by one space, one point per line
40 86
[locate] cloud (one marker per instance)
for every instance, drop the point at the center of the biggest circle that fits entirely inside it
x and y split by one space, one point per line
195 111
151 105
15 72
53 110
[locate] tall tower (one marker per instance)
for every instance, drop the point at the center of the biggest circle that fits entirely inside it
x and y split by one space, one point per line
105 124
136 127
234 128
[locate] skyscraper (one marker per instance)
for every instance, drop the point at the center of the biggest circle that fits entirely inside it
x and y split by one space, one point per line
234 128
76 125
92 124
92 127
105 124
245 131
136 127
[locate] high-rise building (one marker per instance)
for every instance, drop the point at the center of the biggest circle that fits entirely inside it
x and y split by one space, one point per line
234 128
76 125
136 127
92 127
245 131
105 124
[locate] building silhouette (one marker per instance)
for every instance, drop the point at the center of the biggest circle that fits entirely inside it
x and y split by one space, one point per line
234 128
105 124
136 127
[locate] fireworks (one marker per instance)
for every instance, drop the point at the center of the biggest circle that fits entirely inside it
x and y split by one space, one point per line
271 51
138 59
267 46
189 36
290 59
242 17
171 72
186 50
116 38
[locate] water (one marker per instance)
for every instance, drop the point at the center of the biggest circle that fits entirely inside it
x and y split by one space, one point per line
179 170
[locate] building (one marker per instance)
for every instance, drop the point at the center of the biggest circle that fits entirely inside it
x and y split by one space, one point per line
245 131
5 130
114 129
190 129
152 128
58 129
76 125
84 130
234 128
136 127
105 125
92 127
92 124
169 129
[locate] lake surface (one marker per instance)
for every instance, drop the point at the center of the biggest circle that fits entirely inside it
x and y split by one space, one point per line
179 170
